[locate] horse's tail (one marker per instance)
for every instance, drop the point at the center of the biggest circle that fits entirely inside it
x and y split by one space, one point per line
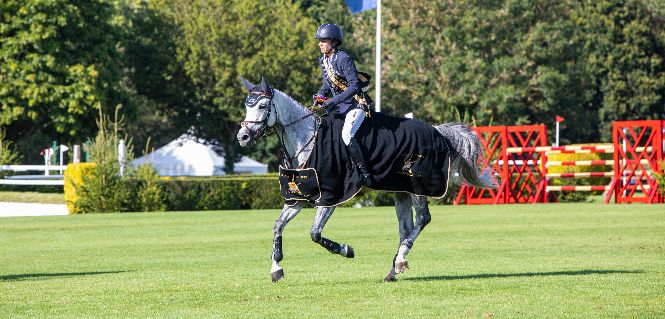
466 153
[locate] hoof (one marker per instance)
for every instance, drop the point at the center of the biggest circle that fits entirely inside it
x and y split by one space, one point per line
349 252
401 266
390 277
277 275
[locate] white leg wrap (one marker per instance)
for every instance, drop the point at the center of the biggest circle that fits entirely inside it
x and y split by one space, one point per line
403 251
275 266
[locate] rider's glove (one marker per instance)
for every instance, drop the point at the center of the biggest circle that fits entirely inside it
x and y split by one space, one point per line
328 105
320 102
318 98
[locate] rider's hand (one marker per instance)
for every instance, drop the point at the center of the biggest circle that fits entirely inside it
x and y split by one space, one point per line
318 101
328 105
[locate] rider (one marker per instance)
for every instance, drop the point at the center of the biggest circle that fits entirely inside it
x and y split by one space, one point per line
340 78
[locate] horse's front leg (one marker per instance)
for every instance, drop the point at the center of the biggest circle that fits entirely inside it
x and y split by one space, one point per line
322 216
287 214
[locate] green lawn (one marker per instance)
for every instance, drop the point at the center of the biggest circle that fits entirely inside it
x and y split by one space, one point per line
514 261
32 197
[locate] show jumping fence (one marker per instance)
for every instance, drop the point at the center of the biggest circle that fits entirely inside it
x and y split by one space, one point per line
521 174
519 155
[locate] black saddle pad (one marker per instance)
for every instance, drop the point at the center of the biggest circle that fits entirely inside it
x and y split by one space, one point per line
299 185
404 155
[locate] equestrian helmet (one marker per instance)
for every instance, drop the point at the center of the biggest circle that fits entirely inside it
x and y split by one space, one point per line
329 31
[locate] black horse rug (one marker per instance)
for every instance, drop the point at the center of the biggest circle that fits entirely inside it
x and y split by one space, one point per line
403 155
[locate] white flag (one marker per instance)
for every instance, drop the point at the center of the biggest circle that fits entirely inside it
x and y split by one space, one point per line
64 148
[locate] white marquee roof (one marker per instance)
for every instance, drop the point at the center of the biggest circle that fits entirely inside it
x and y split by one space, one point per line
189 156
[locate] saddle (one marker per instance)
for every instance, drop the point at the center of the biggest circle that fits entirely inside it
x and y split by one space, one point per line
403 155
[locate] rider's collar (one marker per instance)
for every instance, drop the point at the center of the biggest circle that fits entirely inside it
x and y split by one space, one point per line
332 57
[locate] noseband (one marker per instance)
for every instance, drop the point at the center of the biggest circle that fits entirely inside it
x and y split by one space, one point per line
252 100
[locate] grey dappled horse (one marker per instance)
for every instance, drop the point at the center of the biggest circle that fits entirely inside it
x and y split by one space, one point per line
267 107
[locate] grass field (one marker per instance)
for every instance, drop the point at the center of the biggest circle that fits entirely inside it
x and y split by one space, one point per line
526 261
32 197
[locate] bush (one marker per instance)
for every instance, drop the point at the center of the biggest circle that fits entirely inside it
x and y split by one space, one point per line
149 191
660 178
578 196
229 192
8 153
103 190
73 180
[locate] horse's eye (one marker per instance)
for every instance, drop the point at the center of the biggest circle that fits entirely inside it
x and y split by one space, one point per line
263 106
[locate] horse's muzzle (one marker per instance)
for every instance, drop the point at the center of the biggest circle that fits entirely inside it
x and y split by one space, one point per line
245 137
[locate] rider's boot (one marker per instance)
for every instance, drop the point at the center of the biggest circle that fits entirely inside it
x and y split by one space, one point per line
359 159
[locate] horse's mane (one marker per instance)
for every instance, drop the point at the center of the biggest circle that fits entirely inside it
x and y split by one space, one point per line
292 100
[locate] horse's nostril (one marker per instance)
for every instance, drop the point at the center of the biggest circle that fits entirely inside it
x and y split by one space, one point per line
245 137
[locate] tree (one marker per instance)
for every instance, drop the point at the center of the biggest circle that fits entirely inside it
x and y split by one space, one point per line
524 61
159 91
625 45
223 40
8 154
57 60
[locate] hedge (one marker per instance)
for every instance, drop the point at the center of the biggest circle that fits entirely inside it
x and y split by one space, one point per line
246 192
233 192
217 193
52 189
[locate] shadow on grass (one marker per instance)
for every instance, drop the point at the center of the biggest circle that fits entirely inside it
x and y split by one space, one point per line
50 275
528 274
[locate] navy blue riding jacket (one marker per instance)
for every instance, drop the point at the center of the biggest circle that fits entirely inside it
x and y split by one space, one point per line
342 64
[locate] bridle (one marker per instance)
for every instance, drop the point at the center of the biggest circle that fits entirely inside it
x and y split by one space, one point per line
264 129
251 101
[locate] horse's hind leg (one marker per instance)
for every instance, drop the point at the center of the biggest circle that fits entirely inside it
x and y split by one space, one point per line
423 218
322 216
408 230
288 213
405 221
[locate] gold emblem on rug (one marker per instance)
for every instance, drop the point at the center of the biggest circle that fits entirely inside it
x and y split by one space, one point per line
409 160
293 188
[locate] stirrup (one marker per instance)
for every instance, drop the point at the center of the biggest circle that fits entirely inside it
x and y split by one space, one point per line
367 180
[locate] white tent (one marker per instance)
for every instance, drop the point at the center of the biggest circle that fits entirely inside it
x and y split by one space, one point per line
189 156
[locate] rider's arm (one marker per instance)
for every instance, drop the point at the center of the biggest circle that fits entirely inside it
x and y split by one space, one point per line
348 70
325 88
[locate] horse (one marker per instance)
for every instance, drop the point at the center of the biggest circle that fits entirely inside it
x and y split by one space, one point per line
268 108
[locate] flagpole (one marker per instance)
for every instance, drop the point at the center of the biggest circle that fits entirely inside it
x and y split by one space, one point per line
377 62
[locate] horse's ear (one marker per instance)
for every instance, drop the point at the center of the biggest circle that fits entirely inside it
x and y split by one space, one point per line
247 84
265 87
